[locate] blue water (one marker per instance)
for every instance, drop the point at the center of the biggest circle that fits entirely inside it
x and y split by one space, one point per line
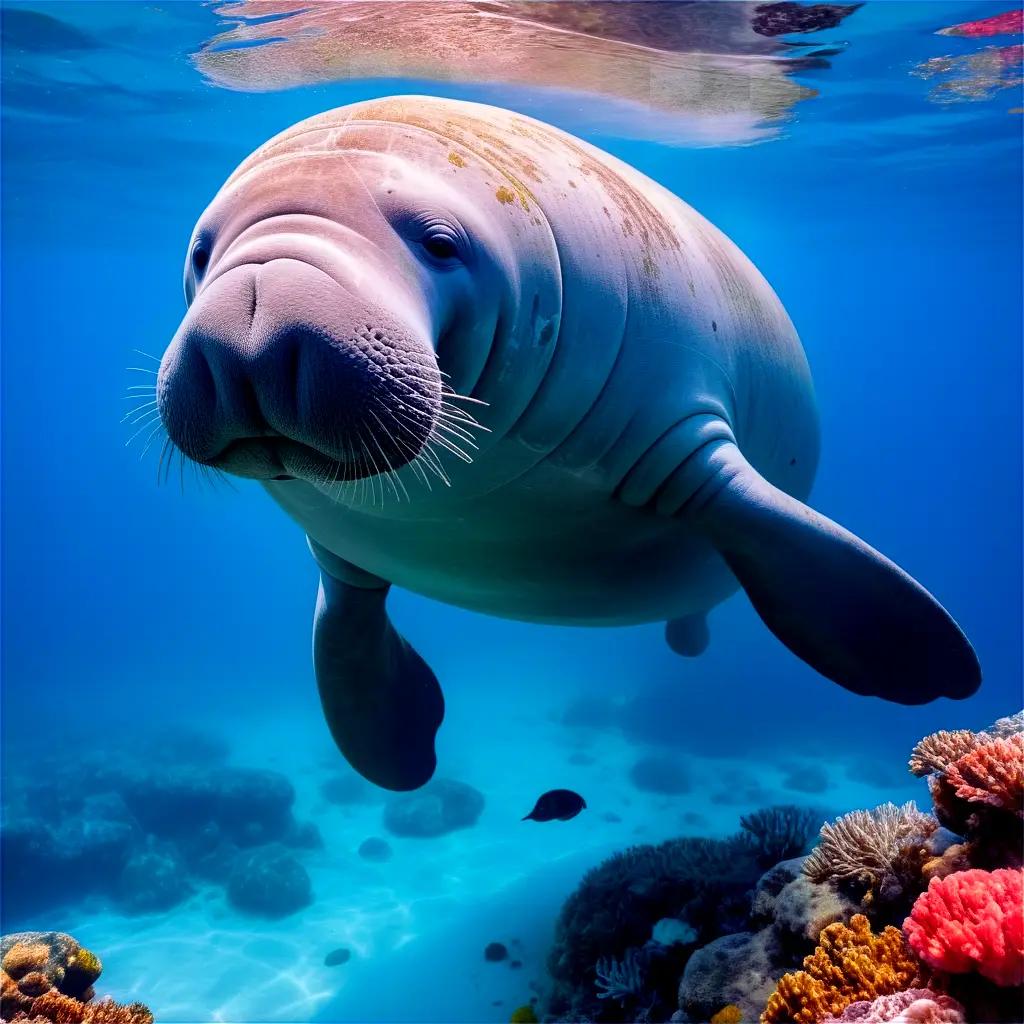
887 218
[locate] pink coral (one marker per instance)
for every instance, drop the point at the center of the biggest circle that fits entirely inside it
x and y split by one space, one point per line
972 921
992 773
914 1006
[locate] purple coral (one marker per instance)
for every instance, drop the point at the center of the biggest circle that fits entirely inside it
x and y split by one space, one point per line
914 1006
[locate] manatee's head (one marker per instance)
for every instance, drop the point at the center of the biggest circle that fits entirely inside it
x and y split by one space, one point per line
322 283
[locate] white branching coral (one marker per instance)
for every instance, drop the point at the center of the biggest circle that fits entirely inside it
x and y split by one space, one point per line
935 753
868 846
1007 727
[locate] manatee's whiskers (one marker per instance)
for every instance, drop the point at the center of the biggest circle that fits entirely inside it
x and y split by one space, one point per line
394 440
150 439
149 419
389 475
138 409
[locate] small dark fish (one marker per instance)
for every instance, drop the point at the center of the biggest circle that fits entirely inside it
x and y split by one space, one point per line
557 805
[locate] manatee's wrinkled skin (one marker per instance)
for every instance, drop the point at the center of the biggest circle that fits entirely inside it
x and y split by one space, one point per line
645 428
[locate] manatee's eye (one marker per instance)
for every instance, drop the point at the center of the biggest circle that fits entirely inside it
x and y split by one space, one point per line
200 257
441 246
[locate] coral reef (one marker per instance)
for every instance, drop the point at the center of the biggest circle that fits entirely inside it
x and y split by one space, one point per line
152 880
935 753
270 882
140 832
622 980
972 921
851 964
441 806
918 1005
48 977
35 962
619 904
781 832
991 773
1011 725
754 932
741 970
980 794
879 855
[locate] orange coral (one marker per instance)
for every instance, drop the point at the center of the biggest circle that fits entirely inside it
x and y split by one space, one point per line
54 1008
850 965
12 999
47 979
60 1009
730 1014
23 957
992 773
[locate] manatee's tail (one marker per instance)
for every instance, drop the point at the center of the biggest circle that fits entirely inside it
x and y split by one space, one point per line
834 601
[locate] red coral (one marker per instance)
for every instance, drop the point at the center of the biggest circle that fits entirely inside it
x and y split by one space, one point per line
972 921
992 773
1005 24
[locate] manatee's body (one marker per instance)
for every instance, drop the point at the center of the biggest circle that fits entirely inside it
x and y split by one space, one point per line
644 434
648 322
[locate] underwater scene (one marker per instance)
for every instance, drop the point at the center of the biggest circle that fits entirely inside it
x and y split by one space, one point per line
511 511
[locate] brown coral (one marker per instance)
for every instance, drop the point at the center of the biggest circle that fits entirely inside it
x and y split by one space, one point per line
851 964
992 773
23 957
54 1008
47 979
57 956
935 753
60 1009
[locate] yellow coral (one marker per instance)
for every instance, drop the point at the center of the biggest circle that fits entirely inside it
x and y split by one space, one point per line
850 964
23 957
86 962
730 1014
524 1015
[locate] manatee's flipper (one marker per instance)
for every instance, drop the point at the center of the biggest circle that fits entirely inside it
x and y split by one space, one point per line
834 601
382 703
688 636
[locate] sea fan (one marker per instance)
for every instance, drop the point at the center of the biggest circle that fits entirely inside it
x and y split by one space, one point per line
621 979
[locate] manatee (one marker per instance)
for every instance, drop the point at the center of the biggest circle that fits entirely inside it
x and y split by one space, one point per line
477 358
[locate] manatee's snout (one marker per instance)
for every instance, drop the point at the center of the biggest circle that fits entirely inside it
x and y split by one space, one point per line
279 370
